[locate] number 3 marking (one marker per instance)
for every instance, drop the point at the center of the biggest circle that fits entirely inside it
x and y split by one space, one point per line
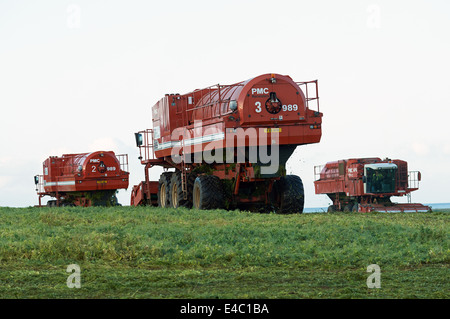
258 107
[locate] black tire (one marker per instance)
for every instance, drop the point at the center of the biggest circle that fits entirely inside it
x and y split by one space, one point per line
176 192
51 203
190 188
164 189
289 194
208 193
67 204
331 209
104 198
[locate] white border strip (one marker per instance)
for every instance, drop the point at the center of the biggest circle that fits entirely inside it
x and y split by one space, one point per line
67 183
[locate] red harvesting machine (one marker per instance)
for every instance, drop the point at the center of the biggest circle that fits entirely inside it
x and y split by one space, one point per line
367 184
227 145
87 179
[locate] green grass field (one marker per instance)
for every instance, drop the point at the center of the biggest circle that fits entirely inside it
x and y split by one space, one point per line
144 252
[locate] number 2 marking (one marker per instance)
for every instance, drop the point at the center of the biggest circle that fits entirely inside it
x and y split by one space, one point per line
93 169
258 107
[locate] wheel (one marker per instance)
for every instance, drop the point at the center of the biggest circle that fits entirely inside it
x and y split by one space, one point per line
331 209
190 188
51 203
67 204
289 194
208 193
348 208
115 201
164 189
355 208
105 198
176 192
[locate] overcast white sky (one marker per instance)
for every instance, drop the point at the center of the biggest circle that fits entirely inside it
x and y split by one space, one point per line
80 76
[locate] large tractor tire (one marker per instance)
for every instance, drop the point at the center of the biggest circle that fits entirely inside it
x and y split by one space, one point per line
208 193
289 194
190 188
164 189
176 192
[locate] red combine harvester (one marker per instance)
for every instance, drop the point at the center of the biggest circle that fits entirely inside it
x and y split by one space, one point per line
367 184
88 179
227 146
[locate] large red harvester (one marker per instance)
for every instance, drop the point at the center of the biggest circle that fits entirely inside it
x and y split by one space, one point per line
367 184
223 142
87 179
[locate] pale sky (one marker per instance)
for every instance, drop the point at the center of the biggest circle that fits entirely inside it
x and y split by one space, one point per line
81 76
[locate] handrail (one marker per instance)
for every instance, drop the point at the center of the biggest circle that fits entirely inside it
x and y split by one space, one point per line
218 89
413 179
317 171
123 162
211 89
147 146
308 99
40 184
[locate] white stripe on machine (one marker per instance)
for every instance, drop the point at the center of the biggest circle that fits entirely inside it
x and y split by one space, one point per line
65 183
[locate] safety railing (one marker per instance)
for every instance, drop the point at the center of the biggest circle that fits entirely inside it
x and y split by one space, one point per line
213 95
39 181
218 94
311 100
144 140
123 161
317 170
413 179
209 97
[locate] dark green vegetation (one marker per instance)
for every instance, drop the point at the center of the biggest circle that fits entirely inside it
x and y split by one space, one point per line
142 252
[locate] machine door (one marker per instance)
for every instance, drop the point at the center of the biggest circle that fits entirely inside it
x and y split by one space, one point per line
380 178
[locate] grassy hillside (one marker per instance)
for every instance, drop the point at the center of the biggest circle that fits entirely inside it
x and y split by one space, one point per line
143 252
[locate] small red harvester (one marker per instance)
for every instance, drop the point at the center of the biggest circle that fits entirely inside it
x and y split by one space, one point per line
367 185
85 179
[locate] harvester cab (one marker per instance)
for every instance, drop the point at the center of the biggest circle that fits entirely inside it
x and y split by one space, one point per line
380 178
